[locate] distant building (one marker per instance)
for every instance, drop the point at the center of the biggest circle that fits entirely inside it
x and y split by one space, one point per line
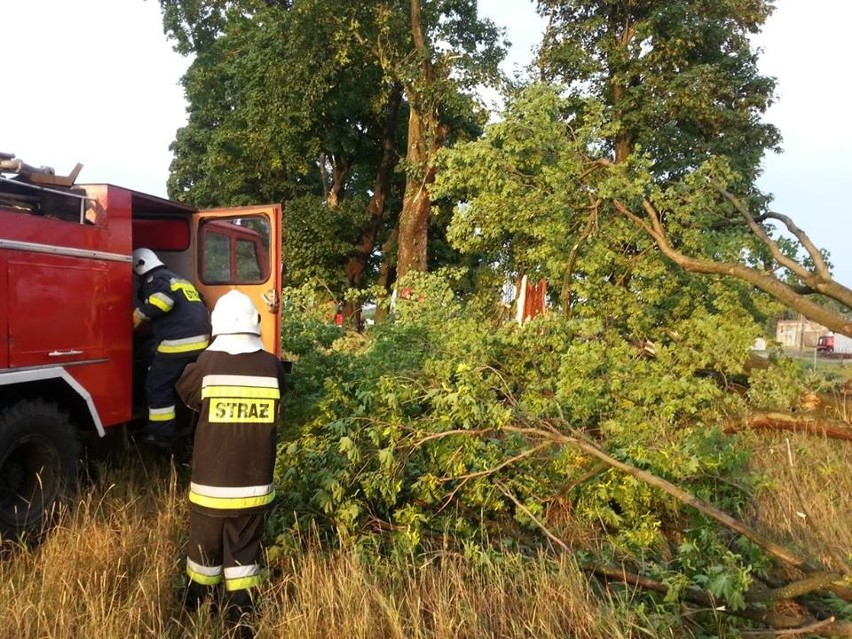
799 333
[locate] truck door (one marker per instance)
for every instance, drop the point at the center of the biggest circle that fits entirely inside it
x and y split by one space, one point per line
240 248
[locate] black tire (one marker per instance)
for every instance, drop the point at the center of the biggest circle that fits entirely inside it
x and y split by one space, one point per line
39 462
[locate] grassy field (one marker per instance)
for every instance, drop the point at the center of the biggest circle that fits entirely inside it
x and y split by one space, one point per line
113 568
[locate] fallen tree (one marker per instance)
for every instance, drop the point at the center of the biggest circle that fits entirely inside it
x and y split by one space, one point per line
762 603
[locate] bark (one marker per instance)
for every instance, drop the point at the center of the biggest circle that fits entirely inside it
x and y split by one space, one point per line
812 583
425 136
334 184
414 218
619 24
357 263
796 423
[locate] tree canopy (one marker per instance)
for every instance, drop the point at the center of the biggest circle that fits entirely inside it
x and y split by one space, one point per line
679 79
309 98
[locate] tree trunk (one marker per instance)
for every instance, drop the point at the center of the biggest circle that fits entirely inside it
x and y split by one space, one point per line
623 32
357 264
387 270
425 137
340 168
414 218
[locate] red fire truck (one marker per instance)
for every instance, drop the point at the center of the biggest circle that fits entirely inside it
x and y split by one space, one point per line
67 365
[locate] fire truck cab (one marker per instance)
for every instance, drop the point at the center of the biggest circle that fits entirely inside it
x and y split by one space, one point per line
68 368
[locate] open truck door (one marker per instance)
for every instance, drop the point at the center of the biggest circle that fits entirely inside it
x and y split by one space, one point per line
240 248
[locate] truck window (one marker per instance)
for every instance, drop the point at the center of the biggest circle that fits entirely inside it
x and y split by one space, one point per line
234 250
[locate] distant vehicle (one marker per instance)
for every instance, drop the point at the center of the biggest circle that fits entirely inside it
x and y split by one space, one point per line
832 343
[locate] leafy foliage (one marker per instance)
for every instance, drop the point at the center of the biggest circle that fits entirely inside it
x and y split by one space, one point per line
414 435
304 99
318 240
680 79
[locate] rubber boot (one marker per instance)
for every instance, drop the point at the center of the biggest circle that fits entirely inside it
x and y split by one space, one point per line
238 614
195 594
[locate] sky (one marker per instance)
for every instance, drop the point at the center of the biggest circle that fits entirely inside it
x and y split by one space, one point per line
97 82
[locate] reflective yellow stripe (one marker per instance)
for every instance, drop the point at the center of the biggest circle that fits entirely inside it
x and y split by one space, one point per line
161 414
161 301
240 391
243 583
231 503
204 580
182 348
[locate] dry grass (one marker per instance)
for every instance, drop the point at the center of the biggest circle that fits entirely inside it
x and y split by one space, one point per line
113 568
110 567
807 501
337 596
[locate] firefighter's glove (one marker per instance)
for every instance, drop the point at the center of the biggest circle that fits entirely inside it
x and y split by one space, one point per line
138 317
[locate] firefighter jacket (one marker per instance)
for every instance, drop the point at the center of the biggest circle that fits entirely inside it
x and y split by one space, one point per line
238 398
178 316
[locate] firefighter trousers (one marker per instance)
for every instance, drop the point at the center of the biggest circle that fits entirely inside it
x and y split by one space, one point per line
224 549
160 381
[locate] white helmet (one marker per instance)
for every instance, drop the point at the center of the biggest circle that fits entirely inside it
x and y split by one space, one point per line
145 260
235 313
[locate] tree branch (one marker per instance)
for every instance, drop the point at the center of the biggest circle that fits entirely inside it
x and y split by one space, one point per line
760 232
777 551
591 225
795 423
556 540
790 625
768 283
819 281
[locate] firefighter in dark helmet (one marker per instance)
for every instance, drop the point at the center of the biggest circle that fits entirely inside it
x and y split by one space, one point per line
180 326
236 387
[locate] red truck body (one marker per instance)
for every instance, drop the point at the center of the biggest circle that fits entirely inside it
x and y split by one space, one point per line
67 292
834 344
67 289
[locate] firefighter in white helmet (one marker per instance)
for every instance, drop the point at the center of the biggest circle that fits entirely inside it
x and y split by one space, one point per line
236 387
180 326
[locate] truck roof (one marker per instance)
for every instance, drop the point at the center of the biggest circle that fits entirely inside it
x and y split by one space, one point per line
14 171
149 203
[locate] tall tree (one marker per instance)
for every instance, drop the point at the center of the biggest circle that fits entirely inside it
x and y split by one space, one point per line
439 51
680 77
665 86
284 104
303 97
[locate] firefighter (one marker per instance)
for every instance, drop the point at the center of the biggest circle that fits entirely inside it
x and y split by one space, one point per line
236 387
180 325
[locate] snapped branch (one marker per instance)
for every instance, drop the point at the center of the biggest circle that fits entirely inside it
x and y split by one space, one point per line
788 295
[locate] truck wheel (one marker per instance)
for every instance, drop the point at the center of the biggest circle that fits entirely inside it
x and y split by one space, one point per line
39 458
